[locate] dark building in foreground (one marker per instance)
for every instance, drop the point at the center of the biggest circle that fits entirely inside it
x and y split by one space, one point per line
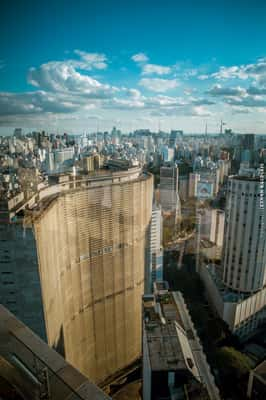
257 382
174 365
20 288
30 369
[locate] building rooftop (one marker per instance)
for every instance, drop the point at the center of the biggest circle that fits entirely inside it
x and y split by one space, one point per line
171 340
252 177
167 339
260 370
33 368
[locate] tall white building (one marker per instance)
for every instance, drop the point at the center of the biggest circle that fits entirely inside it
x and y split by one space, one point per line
167 153
217 227
240 296
193 183
245 238
56 159
154 268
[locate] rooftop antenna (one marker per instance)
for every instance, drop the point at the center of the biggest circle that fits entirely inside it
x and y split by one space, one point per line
206 129
159 126
221 127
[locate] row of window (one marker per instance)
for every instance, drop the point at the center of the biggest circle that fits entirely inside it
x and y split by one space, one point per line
105 250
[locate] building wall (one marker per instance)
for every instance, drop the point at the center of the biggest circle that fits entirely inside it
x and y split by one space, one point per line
154 266
243 317
183 187
193 182
26 361
147 373
245 237
217 227
20 289
249 313
91 247
169 197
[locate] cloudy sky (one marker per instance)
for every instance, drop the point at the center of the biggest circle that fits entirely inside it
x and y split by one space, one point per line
78 66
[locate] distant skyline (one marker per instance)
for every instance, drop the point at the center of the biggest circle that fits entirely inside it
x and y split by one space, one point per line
79 66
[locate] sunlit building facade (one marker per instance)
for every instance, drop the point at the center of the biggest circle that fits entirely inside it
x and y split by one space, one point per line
91 242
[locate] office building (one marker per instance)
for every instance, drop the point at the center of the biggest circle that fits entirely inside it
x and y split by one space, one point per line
169 197
245 239
167 154
183 187
239 296
154 269
91 236
174 136
174 365
59 160
217 227
193 183
257 382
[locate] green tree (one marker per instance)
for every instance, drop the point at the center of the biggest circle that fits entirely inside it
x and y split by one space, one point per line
232 362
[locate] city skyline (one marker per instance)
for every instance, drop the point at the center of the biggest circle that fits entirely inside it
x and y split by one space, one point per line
93 65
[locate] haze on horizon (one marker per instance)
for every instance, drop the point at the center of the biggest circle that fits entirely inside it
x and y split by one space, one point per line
89 66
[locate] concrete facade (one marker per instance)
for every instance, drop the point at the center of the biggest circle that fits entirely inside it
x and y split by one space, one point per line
174 364
169 197
91 244
243 313
245 236
36 371
154 268
20 289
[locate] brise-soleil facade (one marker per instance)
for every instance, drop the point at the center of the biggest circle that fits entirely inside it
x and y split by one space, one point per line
91 244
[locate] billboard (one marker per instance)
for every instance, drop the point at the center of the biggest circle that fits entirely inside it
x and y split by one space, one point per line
204 190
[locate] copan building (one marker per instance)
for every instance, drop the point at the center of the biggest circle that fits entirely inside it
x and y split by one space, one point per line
91 234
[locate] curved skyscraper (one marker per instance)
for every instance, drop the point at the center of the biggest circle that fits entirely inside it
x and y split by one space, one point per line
91 239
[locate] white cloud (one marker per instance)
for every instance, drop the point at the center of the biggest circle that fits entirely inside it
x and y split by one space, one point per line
255 71
240 110
225 73
140 58
253 90
36 102
66 91
218 90
203 77
135 93
164 101
248 101
158 85
57 76
90 61
121 103
155 69
186 110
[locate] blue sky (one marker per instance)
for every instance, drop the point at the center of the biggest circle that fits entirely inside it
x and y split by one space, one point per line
75 65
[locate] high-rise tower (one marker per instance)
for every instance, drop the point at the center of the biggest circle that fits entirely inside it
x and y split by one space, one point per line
169 197
91 243
245 238
239 295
